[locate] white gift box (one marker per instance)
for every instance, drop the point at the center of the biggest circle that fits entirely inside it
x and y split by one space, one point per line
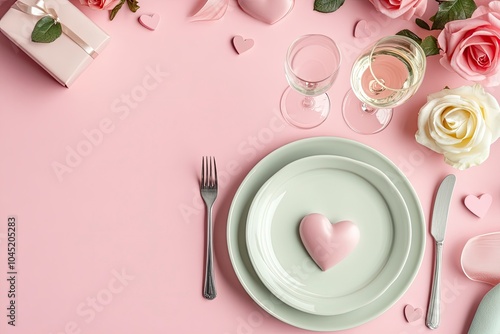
66 57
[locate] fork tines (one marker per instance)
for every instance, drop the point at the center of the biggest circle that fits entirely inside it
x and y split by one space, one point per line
208 172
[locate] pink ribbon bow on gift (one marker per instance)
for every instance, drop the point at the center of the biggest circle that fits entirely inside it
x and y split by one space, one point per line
40 10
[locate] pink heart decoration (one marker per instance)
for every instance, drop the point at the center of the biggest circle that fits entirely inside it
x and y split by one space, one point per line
267 11
478 205
412 314
328 243
150 21
241 45
361 30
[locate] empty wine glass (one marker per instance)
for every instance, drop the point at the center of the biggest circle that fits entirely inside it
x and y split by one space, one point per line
311 66
383 77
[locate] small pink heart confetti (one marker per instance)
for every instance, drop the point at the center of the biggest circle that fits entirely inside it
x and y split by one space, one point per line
361 30
412 314
479 206
242 45
150 22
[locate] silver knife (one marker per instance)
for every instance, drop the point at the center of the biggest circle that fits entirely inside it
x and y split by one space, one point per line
438 229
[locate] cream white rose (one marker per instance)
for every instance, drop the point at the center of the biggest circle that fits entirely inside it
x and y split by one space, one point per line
461 124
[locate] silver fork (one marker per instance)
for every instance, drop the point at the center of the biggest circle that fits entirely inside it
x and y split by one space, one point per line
208 190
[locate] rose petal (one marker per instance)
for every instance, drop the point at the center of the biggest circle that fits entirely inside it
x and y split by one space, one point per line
212 10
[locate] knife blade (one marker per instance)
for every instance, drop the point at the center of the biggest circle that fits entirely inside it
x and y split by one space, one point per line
438 229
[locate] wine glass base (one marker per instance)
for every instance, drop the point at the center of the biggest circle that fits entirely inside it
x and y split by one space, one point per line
361 120
303 115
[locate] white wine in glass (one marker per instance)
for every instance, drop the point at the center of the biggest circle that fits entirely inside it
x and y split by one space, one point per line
383 77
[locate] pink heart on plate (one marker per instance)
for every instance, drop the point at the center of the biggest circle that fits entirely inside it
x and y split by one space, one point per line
412 314
267 11
478 205
150 21
328 243
361 30
241 45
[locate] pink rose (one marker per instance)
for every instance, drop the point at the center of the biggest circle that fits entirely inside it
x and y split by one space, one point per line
100 4
471 47
400 8
482 2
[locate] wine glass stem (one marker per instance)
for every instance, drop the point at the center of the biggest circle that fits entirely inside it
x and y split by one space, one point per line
368 109
308 102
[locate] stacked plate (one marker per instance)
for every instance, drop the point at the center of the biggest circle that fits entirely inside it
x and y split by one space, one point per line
342 180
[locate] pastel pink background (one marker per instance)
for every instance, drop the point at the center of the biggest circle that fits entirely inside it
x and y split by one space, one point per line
132 204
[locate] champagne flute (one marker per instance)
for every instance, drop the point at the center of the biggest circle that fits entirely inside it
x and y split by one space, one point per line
383 77
311 66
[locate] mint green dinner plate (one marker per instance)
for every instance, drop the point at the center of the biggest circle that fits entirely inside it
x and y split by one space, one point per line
237 221
341 189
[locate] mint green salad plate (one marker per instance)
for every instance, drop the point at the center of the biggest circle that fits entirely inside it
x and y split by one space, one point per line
261 173
340 189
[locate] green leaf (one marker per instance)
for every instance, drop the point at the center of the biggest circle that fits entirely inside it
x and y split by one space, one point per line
452 10
422 24
114 11
409 34
133 5
327 6
430 46
46 30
